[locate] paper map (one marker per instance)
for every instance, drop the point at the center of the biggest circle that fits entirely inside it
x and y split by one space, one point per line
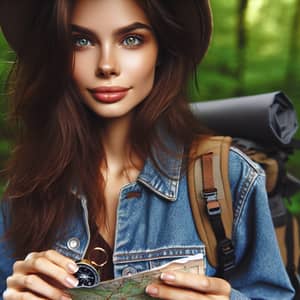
133 287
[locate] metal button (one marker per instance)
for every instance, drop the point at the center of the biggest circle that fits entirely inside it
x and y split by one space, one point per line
129 271
73 243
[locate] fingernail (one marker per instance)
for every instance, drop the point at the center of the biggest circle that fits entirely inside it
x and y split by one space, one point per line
72 267
72 282
65 297
151 290
167 277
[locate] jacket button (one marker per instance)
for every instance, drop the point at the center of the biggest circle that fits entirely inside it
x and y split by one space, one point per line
73 243
129 271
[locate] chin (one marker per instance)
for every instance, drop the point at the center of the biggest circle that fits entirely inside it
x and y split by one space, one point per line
112 114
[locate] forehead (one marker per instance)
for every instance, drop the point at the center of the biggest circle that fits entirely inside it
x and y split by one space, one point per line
107 13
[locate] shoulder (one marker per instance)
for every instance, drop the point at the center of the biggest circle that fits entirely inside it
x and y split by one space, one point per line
247 180
4 223
242 165
4 212
7 259
245 175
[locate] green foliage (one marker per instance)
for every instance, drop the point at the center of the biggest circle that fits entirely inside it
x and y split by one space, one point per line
6 60
294 205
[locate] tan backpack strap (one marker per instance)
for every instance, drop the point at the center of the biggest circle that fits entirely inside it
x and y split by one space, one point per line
210 195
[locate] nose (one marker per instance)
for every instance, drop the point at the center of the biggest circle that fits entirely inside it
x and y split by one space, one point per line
107 63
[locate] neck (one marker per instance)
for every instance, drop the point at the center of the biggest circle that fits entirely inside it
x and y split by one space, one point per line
116 143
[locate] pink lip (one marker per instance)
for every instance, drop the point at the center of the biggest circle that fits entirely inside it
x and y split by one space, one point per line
109 94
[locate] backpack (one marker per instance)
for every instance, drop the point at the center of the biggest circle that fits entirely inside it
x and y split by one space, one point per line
211 203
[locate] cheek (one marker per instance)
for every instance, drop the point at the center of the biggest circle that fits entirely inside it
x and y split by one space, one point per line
141 69
82 68
78 70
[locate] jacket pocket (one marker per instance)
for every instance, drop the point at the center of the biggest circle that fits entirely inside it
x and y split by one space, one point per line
138 261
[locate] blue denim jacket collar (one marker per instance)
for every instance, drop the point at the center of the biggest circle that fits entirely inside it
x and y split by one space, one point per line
164 180
159 182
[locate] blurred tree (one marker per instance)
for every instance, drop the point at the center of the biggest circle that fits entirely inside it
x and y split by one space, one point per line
241 45
294 49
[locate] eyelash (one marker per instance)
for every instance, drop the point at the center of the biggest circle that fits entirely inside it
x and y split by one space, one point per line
78 38
139 40
137 37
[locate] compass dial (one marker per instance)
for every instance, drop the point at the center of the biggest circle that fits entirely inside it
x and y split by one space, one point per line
87 275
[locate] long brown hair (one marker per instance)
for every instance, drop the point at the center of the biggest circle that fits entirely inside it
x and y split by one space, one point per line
59 140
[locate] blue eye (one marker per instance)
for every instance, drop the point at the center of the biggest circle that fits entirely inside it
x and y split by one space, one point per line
81 42
132 41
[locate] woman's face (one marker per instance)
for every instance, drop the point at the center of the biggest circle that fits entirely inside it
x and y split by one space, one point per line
115 54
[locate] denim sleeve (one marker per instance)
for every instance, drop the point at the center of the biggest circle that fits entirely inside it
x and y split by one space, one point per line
260 272
6 260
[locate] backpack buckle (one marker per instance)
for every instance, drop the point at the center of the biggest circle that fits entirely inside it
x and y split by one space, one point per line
212 204
226 255
210 195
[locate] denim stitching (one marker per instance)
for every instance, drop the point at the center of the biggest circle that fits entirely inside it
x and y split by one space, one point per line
163 253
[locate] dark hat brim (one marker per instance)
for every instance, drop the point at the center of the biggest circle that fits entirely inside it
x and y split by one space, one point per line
17 19
195 16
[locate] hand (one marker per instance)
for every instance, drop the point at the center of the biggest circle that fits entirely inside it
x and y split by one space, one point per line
184 285
41 275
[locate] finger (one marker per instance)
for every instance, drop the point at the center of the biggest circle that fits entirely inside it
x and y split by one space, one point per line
34 284
55 257
45 267
202 283
29 255
166 292
15 295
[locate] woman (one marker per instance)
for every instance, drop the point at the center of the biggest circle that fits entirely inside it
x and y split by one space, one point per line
99 99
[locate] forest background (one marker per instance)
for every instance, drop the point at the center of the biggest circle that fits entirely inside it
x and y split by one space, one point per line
255 49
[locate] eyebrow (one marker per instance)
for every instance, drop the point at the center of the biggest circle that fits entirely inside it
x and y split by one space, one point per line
120 31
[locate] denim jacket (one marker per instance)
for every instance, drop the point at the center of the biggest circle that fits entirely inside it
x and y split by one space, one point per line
155 225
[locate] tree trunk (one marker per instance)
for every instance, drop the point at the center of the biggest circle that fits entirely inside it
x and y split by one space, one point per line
241 45
294 48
